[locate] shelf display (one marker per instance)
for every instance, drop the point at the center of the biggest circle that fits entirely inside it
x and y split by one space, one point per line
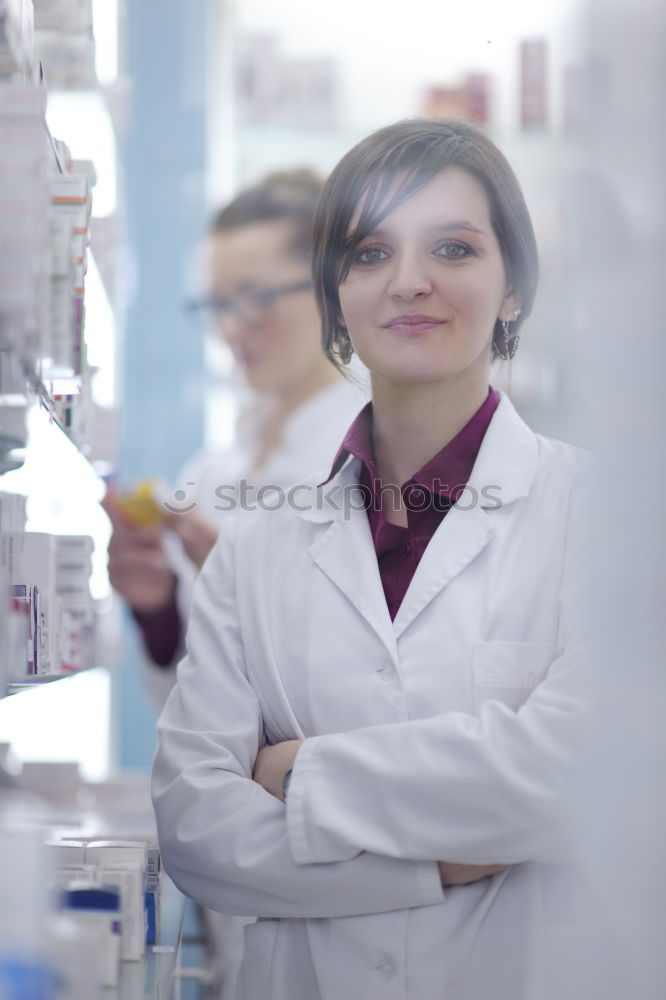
46 608
63 938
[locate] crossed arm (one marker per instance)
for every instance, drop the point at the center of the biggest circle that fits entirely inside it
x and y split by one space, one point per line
484 792
274 762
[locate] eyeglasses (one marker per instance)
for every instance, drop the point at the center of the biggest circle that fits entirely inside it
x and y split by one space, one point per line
246 306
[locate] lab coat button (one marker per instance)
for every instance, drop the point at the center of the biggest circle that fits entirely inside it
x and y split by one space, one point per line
386 966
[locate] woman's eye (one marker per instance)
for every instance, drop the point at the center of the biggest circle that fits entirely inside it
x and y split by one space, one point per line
370 255
452 250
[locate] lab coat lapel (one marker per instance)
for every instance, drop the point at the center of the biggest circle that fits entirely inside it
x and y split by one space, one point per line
458 540
507 462
344 551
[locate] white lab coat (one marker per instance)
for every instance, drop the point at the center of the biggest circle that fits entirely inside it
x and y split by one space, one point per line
450 733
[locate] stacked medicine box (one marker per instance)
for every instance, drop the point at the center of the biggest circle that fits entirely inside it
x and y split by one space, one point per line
132 868
51 611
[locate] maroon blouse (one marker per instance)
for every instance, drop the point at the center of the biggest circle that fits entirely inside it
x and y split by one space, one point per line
427 496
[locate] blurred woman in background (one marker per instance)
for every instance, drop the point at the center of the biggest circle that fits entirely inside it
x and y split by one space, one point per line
296 406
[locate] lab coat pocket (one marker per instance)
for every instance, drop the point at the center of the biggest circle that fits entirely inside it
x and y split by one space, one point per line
509 671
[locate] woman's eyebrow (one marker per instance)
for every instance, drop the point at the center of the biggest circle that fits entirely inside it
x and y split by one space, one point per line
457 224
439 227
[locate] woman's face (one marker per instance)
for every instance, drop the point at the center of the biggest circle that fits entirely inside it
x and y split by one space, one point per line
424 291
276 346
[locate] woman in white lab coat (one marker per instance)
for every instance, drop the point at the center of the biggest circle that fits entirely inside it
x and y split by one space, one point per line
393 655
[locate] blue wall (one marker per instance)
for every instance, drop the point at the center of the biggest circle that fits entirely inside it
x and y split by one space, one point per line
162 162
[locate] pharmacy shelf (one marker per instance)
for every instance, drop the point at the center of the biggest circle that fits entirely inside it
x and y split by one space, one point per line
48 444
47 402
40 399
16 687
63 490
42 389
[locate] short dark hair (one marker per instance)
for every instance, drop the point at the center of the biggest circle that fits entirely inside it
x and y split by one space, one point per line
385 169
289 196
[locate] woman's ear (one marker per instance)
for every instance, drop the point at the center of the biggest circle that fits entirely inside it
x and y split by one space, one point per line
510 309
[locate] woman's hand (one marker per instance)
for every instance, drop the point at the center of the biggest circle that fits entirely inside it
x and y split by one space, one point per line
139 569
197 536
456 874
272 764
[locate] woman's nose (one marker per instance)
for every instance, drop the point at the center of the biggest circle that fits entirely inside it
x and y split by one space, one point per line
234 327
409 277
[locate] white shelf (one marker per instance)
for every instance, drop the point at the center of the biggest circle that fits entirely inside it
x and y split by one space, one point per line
51 457
31 683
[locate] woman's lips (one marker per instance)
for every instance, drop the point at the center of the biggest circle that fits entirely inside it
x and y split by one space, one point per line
412 325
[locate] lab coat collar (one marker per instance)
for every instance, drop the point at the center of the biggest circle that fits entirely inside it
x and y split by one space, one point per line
507 462
503 471
332 499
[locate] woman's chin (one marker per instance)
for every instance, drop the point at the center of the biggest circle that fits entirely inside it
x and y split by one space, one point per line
414 374
261 379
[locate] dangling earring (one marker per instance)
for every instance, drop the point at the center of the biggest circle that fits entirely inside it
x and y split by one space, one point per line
507 345
345 349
